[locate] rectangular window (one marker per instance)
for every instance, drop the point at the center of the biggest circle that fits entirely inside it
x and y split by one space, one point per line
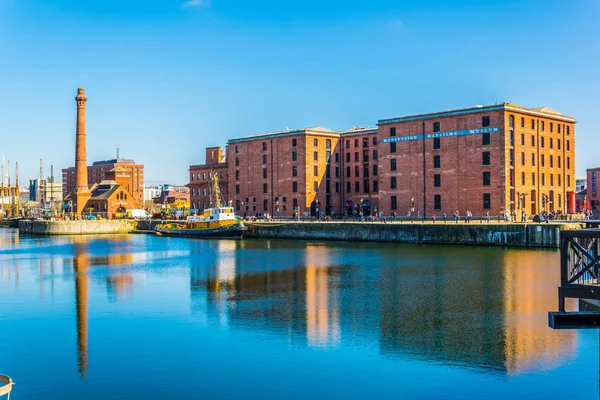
337 172
337 187
264 173
551 179
551 126
436 143
356 171
542 125
237 189
523 178
355 142
558 143
532 159
485 121
568 130
436 126
511 121
551 161
294 142
237 162
487 201
486 158
374 140
337 157
522 139
542 160
366 156
542 142
356 156
347 157
558 163
237 149
347 187
533 178
357 187
532 124
543 179
365 171
265 205
365 142
295 187
347 143
436 161
375 169
532 140
394 203
295 203
568 162
294 171
486 179
522 158
568 145
522 122
568 180
437 180
316 156
327 156
550 140
265 188
485 138
559 180
437 202
392 131
294 156
316 186
316 171
366 186
375 155
393 182
347 172
264 146
392 164
393 147
315 142
237 175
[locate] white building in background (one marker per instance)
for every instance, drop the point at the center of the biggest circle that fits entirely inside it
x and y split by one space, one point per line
150 192
580 184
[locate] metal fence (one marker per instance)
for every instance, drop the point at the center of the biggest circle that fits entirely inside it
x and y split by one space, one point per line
579 265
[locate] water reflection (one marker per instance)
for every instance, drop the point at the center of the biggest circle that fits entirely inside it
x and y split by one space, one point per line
475 307
481 309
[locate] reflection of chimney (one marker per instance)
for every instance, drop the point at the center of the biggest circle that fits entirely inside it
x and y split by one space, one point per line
80 264
82 192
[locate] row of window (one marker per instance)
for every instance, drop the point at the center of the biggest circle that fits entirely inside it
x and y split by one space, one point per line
366 186
247 207
205 175
365 156
357 171
542 125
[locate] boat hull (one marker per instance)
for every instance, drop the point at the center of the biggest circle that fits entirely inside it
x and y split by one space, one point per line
235 231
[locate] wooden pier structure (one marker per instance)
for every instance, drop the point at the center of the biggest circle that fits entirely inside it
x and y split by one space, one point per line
579 278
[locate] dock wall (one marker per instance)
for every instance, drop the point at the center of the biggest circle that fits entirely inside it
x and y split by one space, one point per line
493 234
39 227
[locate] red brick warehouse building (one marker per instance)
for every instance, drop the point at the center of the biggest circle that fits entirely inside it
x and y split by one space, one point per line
486 158
200 179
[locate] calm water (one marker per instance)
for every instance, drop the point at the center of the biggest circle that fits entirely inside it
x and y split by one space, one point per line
139 317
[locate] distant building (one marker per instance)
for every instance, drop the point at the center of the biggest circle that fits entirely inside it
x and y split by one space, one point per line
580 184
152 192
201 186
593 197
110 196
98 170
46 193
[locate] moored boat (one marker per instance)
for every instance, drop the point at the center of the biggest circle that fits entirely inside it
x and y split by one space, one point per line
215 222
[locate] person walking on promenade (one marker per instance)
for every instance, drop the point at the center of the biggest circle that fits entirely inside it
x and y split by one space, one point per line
488 217
523 216
433 218
467 217
456 216
445 217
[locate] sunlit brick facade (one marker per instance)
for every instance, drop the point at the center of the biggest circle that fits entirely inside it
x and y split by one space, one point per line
495 158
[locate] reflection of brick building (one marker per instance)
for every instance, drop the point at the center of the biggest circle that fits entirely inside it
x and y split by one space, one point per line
200 179
493 158
97 171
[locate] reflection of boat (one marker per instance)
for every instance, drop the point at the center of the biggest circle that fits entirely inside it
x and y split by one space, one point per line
10 222
218 221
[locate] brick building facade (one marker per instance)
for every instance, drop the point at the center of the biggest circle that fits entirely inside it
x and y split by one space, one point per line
593 195
200 179
493 159
486 158
96 173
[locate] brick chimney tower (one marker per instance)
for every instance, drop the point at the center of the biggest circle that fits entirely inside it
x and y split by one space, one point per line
82 193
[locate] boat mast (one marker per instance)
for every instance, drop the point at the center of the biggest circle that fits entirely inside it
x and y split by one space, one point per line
17 189
216 191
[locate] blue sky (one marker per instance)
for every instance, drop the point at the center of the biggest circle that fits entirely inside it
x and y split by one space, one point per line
167 78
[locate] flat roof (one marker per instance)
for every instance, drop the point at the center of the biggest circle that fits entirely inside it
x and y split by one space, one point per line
319 130
114 161
539 111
